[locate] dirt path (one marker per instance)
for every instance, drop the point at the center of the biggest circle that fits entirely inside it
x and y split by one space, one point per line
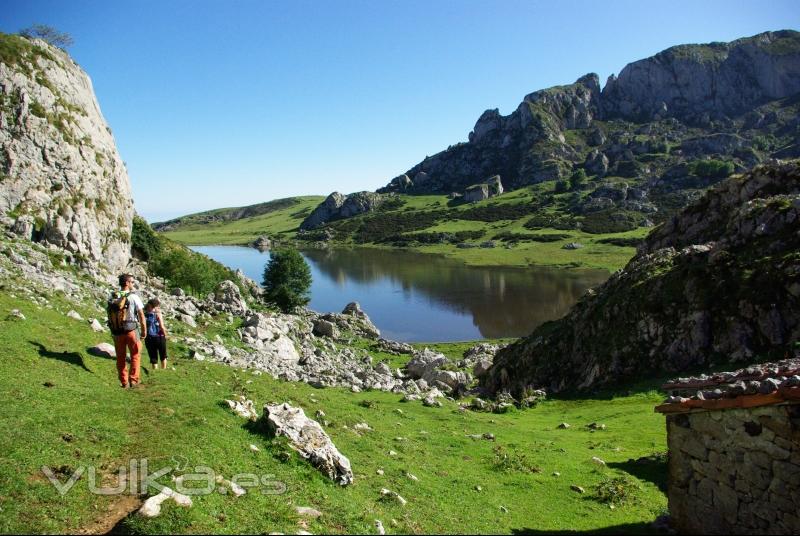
122 507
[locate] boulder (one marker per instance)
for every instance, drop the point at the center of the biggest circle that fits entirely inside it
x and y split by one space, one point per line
310 440
337 206
323 328
262 243
424 363
96 326
229 298
103 349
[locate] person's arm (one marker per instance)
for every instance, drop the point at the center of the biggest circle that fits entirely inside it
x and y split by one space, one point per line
142 321
161 323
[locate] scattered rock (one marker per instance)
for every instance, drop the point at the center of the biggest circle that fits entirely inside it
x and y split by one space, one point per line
391 495
379 527
103 349
16 313
307 511
598 461
254 448
572 245
243 408
310 440
96 326
577 489
563 426
226 485
152 506
74 315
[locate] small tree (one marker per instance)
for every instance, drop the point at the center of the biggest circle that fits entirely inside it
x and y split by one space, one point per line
48 34
287 280
561 186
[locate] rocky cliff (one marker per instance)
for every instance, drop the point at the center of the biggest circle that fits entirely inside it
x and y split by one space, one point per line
62 181
718 282
734 103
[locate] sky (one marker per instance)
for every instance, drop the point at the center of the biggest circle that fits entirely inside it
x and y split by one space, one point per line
235 102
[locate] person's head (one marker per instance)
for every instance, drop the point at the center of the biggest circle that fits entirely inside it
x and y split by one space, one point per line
126 281
152 304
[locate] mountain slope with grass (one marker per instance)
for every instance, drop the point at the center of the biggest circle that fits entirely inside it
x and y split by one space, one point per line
719 282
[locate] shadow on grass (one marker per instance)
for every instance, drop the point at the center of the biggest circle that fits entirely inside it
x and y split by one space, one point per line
650 468
627 528
72 358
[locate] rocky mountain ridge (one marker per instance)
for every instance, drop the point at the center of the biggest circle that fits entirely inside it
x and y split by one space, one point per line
718 282
62 181
732 102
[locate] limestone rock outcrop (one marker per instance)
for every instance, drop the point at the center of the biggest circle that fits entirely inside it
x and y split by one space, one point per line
714 80
62 180
337 206
718 282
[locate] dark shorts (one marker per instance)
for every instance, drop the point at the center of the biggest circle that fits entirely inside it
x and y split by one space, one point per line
156 348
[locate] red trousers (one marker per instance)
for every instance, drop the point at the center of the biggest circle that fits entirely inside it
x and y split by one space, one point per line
123 343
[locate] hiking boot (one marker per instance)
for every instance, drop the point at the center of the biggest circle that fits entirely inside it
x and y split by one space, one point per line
136 386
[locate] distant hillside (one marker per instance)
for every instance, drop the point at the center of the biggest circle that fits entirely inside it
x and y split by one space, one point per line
240 225
227 214
718 282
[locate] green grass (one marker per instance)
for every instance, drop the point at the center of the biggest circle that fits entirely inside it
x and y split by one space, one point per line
238 232
85 418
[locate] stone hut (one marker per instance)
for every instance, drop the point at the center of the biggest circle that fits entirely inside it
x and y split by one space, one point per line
734 450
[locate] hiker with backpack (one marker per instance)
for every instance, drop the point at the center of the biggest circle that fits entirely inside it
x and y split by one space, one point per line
156 341
125 316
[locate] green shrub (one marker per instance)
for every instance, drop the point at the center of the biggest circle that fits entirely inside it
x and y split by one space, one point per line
513 461
577 180
287 280
496 212
380 227
616 491
507 236
622 241
404 240
145 243
561 186
712 169
611 221
189 270
551 221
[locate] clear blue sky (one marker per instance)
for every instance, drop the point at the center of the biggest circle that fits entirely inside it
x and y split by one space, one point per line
230 103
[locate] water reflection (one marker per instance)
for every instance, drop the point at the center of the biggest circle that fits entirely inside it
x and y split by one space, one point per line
416 297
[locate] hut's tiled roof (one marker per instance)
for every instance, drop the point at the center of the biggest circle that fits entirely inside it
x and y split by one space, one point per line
756 385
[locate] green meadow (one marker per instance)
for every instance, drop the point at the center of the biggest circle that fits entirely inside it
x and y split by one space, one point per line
64 410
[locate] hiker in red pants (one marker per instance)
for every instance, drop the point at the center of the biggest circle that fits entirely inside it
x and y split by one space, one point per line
124 310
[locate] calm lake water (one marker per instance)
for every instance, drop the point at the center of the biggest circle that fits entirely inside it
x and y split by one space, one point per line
415 297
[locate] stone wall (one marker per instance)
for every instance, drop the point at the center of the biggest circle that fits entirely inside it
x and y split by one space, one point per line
735 471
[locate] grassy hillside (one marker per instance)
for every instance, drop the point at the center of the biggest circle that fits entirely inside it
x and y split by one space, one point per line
217 227
520 223
63 410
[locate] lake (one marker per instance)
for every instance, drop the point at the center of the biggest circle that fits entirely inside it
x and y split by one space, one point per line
415 297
